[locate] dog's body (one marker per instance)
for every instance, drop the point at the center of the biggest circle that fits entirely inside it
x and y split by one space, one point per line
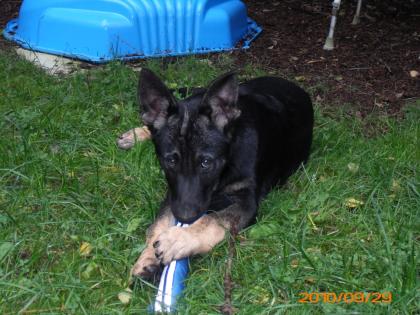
221 150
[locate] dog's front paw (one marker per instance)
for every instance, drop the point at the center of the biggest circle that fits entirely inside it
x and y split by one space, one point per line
129 138
147 266
175 243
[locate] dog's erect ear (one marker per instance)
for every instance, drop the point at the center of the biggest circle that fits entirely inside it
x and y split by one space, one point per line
222 97
156 101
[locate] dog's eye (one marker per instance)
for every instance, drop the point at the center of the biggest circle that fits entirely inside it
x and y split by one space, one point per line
171 160
206 163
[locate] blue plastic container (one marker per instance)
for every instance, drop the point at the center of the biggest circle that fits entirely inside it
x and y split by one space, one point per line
102 30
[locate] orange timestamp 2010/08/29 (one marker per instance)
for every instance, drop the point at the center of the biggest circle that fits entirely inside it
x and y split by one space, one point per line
345 297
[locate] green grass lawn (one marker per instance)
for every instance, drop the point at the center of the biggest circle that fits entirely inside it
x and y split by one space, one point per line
64 182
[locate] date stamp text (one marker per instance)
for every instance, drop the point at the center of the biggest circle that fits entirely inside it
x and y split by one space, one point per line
345 297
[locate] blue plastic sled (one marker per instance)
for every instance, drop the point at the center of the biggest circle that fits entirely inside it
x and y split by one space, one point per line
103 30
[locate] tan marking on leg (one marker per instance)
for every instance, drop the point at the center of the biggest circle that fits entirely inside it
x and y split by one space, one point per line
199 238
236 186
147 264
129 138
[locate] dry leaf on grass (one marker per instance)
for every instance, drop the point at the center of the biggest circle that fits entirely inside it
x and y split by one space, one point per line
414 73
353 203
294 263
125 296
353 167
85 249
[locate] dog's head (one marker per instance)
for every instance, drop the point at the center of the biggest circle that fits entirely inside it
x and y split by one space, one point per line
191 138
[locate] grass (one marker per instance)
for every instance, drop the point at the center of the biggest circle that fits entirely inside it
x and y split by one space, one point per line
63 182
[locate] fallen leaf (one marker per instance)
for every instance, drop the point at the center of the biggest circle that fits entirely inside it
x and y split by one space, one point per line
353 203
353 167
85 249
125 296
300 78
414 73
310 280
260 295
89 154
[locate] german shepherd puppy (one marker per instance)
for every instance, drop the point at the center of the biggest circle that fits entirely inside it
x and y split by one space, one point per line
222 150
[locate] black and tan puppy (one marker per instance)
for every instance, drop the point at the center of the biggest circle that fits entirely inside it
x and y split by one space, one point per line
222 150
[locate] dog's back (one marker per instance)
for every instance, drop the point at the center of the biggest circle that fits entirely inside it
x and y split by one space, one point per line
281 117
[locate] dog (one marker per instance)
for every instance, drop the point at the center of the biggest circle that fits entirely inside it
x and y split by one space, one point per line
221 150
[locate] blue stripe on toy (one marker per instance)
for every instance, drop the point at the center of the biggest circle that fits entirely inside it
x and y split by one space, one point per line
171 283
180 273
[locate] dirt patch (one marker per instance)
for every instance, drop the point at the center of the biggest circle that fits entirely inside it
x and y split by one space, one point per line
9 9
370 68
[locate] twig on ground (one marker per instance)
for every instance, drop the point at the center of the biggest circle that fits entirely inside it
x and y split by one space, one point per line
227 308
359 68
388 68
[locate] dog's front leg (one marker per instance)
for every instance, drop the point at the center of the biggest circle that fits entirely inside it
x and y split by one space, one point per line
201 236
129 138
148 264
